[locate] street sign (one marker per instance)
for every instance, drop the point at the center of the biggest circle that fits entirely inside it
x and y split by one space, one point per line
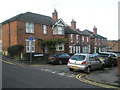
31 38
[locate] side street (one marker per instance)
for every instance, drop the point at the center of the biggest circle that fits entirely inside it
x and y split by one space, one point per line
47 44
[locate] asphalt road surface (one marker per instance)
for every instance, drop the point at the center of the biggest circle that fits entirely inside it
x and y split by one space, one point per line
17 76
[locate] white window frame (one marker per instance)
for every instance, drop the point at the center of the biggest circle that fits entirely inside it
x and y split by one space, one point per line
28 49
71 38
58 47
77 38
74 49
70 49
44 29
60 30
95 41
83 39
29 27
87 39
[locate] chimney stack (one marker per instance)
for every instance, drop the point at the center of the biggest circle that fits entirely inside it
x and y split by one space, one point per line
73 24
55 15
95 30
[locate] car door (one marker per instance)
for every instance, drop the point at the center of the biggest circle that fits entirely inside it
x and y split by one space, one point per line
63 58
98 63
92 62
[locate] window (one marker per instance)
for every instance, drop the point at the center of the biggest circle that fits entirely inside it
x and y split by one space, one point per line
70 49
77 38
83 38
95 41
60 47
29 28
58 30
87 39
44 29
71 38
78 57
30 46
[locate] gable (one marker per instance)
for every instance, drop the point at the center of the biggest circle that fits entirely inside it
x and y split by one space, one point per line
59 22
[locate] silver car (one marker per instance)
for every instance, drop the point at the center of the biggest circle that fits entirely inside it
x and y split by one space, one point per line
85 62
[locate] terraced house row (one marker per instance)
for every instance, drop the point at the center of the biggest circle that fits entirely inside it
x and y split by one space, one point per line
18 30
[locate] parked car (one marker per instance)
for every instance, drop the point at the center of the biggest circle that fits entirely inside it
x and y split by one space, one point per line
85 62
61 58
109 59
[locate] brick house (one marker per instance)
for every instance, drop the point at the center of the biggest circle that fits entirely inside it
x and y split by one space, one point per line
77 40
18 30
112 46
98 43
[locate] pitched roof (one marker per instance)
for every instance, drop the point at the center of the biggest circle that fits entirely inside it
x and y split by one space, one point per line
31 17
68 30
93 35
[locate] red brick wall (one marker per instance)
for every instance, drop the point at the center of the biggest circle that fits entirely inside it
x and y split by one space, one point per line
38 32
9 39
5 37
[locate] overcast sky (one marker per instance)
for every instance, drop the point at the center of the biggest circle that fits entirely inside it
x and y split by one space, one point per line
87 13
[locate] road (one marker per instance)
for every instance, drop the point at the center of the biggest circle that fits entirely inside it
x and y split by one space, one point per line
17 76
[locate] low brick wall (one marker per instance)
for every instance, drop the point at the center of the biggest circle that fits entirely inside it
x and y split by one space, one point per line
118 65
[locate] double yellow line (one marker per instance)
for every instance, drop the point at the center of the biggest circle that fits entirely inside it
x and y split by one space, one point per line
94 83
6 62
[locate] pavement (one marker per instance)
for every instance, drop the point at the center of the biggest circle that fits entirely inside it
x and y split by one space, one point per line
109 76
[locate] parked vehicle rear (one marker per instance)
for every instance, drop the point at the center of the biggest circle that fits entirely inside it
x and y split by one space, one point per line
85 62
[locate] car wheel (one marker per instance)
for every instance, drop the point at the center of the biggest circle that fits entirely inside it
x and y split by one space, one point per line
60 62
88 70
70 69
102 67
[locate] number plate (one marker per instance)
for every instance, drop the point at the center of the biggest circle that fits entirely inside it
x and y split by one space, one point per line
74 67
101 59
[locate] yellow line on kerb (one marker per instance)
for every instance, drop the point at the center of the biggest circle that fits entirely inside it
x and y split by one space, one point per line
7 62
17 63
94 83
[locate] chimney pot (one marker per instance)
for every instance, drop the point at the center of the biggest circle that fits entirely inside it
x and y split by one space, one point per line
73 24
95 30
55 15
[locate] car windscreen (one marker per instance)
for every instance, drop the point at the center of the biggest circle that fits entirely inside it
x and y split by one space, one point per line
78 57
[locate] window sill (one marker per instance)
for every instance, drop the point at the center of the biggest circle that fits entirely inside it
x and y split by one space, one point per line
29 33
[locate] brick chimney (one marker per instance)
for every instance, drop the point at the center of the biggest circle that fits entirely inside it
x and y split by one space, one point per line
73 24
55 15
95 30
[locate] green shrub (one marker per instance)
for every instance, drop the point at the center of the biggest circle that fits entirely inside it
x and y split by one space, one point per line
15 51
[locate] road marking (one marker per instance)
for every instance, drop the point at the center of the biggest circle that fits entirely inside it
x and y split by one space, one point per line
93 83
7 62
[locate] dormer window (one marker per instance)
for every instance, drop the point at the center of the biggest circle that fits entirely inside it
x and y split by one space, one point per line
58 30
